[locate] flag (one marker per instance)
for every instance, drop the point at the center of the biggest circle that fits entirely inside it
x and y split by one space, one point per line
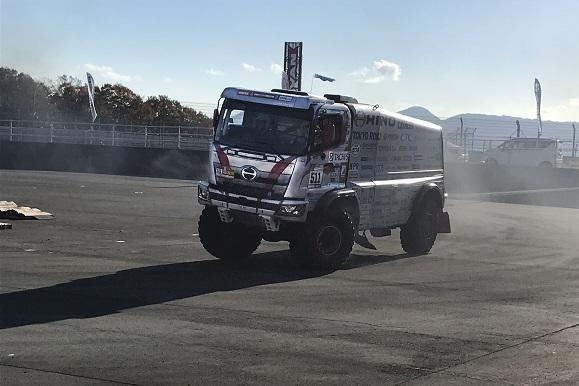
324 78
538 97
90 88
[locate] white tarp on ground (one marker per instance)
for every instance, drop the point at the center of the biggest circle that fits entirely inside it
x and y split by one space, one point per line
10 210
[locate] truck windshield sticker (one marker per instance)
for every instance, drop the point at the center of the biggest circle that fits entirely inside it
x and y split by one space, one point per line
264 95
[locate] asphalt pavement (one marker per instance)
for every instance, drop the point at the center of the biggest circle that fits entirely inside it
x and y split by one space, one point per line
117 289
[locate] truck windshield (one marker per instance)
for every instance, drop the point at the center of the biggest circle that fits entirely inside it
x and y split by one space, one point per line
264 128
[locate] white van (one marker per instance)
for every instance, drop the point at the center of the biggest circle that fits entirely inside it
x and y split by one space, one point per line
543 152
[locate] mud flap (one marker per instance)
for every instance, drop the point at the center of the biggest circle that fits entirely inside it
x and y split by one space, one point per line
363 241
444 223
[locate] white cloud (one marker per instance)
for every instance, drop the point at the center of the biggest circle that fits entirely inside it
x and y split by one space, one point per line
374 80
250 67
381 69
108 73
387 68
276 68
214 72
574 102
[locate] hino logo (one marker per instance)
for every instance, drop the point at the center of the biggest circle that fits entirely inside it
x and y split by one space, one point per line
249 173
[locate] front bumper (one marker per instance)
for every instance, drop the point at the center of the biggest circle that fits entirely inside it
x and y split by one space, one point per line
268 211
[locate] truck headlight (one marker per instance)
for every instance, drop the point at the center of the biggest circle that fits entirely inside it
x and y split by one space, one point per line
202 193
294 210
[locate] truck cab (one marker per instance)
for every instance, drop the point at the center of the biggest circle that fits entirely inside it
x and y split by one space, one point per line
318 172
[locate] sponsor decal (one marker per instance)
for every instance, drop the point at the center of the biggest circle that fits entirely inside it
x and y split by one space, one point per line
355 149
387 148
405 126
360 119
365 135
373 120
225 172
338 156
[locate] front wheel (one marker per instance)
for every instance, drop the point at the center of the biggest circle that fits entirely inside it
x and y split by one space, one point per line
326 242
227 241
418 235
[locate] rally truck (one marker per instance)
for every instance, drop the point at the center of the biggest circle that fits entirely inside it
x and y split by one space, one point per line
321 173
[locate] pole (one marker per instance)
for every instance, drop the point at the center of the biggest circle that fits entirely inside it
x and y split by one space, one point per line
113 136
179 138
312 85
461 132
574 131
518 129
11 130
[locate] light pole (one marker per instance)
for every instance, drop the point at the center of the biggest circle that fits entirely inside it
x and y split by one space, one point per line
573 149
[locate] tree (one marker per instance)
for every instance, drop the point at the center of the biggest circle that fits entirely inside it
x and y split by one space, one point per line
22 97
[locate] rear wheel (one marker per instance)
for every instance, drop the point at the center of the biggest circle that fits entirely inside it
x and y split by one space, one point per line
227 241
418 235
326 242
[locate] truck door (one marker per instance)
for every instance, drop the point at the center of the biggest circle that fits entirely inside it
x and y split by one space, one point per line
329 163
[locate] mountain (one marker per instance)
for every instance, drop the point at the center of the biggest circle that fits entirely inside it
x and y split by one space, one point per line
421 113
493 127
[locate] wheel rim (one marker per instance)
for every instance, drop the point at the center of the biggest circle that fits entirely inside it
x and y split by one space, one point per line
329 240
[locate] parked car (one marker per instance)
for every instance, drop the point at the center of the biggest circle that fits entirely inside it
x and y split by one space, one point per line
542 152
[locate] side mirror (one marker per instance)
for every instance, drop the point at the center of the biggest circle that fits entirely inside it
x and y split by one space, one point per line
215 119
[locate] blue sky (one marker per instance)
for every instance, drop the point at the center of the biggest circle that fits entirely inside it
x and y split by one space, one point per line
448 56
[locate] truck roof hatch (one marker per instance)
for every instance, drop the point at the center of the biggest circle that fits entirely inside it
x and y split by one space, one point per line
340 98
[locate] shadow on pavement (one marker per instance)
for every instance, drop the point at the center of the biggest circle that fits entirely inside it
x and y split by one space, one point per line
136 287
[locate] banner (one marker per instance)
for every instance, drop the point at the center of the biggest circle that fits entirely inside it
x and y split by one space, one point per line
284 81
324 78
90 88
538 97
292 65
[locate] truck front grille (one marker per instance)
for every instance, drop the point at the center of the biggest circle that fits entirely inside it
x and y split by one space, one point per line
250 191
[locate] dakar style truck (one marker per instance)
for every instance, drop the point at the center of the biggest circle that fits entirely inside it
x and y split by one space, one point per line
319 172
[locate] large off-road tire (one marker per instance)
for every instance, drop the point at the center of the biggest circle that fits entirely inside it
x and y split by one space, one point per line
326 242
227 241
418 235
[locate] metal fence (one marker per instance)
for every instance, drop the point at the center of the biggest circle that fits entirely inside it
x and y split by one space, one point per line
481 143
168 137
165 137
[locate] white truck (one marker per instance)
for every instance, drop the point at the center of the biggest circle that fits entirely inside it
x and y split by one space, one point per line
319 172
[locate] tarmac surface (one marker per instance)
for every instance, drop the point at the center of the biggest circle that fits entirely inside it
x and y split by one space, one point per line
117 289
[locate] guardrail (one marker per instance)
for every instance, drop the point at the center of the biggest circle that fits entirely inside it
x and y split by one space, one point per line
164 137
